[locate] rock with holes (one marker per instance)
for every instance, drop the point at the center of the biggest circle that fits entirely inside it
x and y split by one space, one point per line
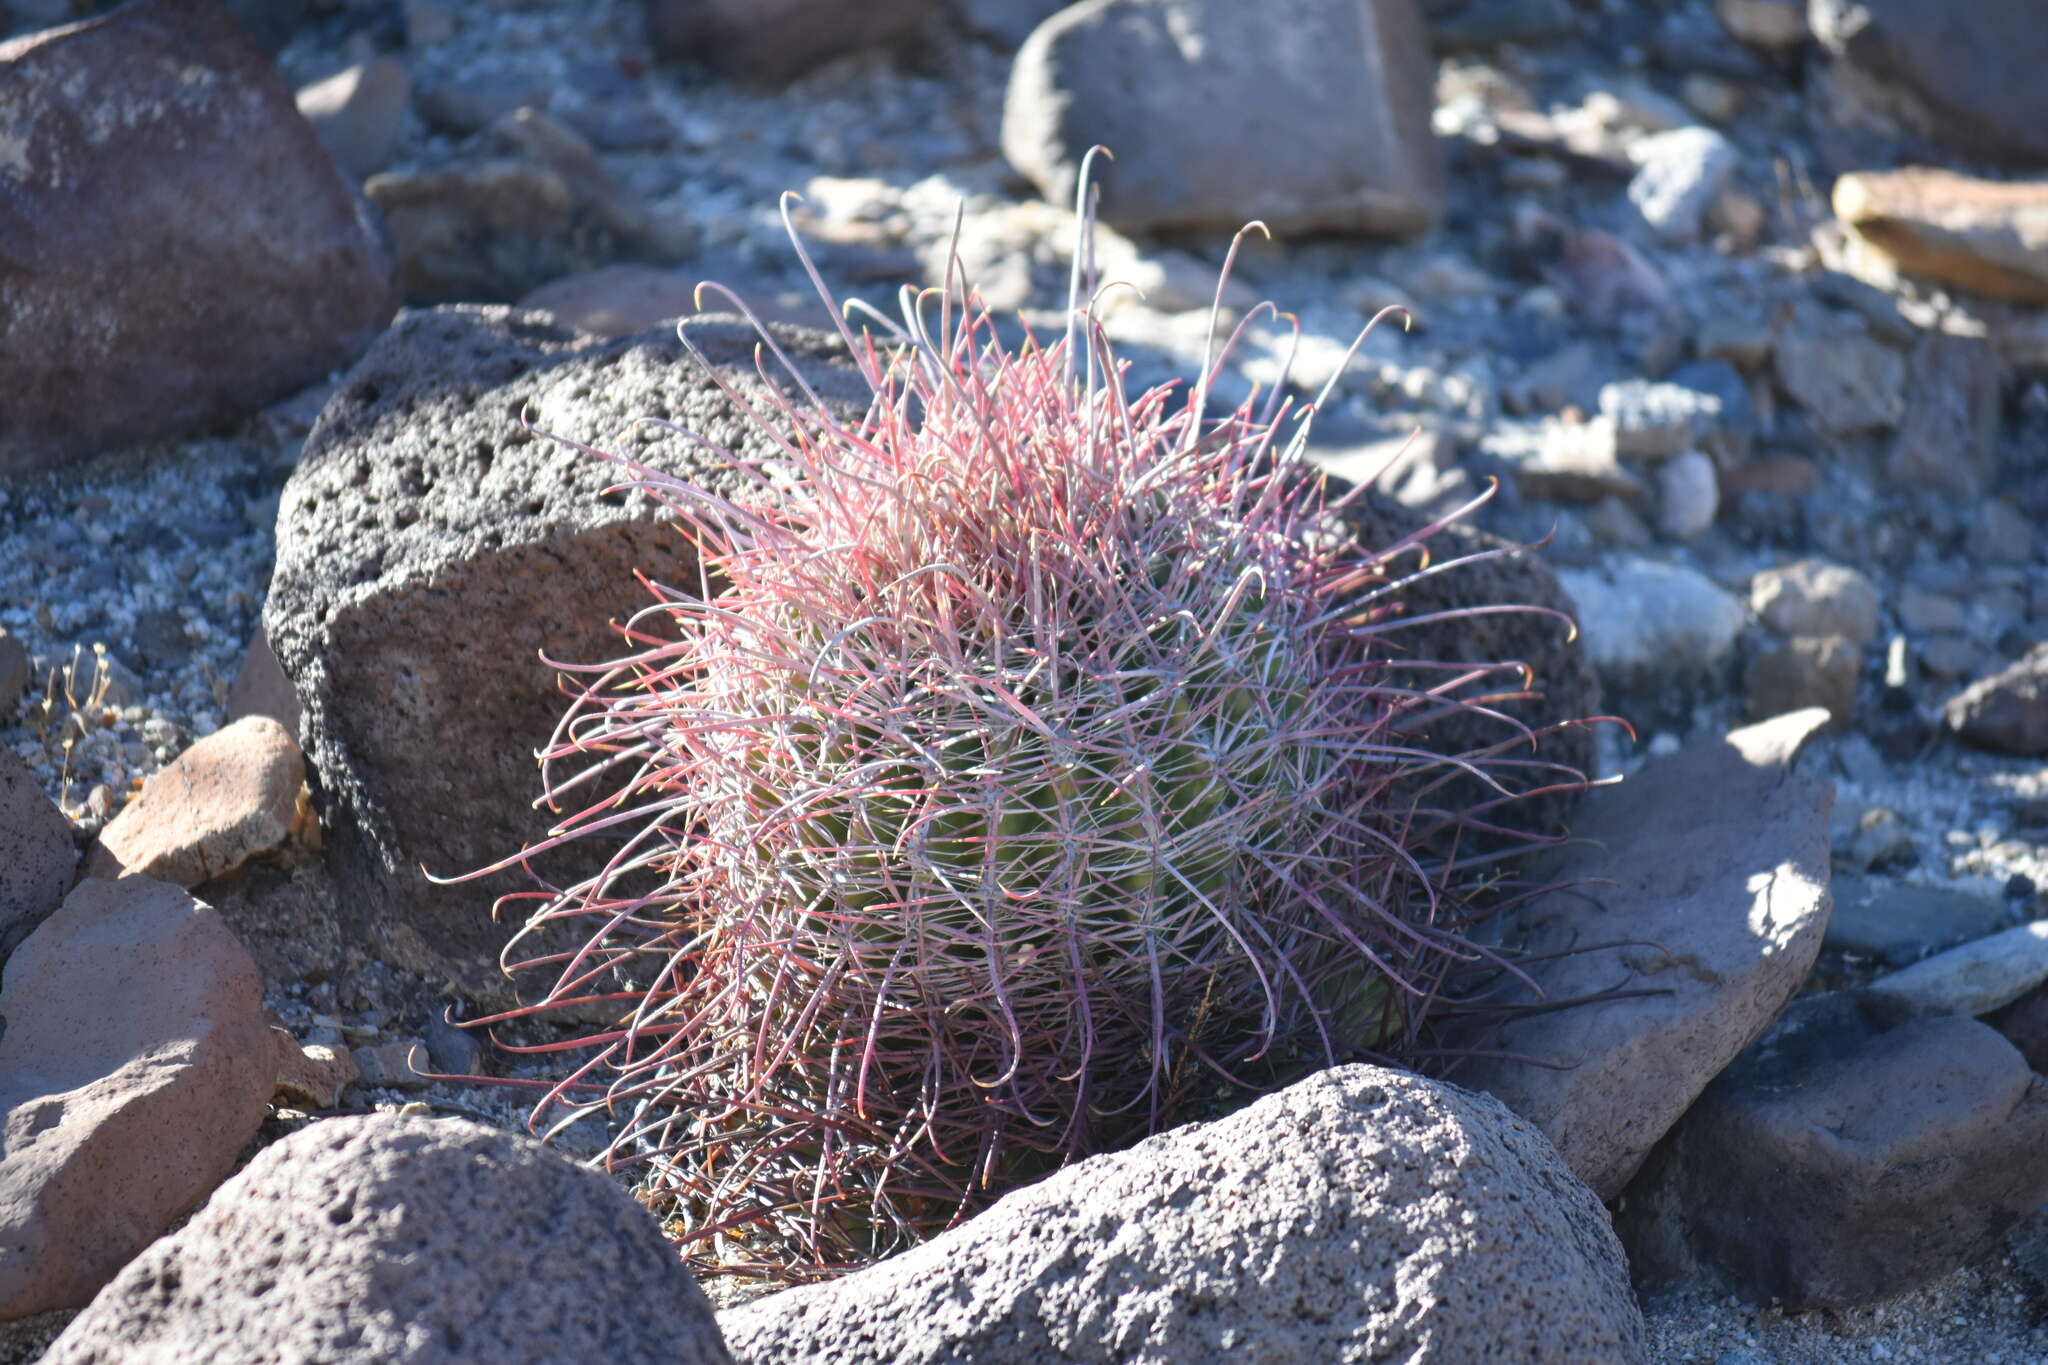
431 548
399 1241
1699 893
135 1066
1362 1214
150 283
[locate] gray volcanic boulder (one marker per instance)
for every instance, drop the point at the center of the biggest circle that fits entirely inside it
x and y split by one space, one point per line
384 1240
1361 1214
135 1066
1310 115
430 548
177 250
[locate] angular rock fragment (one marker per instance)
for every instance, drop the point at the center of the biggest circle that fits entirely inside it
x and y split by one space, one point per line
1172 87
135 1065
1718 864
1849 1155
231 796
2008 711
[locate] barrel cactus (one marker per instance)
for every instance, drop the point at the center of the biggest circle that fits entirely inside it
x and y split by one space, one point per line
1040 773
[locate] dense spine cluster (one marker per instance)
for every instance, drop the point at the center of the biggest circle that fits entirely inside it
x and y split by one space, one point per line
1042 766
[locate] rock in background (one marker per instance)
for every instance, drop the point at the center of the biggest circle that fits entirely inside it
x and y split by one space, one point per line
180 250
1186 94
1700 898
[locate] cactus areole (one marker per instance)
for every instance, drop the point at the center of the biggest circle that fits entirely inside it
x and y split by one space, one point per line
1044 770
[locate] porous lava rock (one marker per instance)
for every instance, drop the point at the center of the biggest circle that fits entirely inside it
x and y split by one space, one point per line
178 249
383 1240
1361 1214
432 546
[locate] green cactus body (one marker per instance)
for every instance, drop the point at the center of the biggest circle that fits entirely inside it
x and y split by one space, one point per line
1022 788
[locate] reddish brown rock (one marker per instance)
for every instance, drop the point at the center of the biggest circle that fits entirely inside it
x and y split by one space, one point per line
135 1067
2008 711
262 689
234 794
314 1076
1987 236
1709 870
178 248
36 853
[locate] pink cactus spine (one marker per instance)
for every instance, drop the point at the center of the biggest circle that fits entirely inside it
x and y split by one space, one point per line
1038 774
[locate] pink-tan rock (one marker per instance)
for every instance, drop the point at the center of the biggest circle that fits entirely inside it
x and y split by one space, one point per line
262 689
135 1067
313 1076
1699 891
1987 236
36 854
233 795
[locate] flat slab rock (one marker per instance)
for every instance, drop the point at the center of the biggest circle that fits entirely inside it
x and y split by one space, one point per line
1709 871
1360 1215
135 1066
383 1240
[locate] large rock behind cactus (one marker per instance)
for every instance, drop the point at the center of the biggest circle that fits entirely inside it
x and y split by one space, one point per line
1363 1214
431 547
